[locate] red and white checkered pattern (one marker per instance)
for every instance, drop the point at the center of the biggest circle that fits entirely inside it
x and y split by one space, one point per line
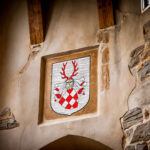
69 99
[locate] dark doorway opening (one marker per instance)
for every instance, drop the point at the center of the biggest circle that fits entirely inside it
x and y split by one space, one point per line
72 142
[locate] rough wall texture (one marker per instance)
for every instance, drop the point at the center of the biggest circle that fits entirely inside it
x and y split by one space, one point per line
73 24
136 121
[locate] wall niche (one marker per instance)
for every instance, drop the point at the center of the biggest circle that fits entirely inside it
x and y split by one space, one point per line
68 87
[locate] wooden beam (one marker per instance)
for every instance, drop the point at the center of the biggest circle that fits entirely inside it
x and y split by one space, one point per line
106 17
35 21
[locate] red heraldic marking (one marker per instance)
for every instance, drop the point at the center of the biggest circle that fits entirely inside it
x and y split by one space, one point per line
68 106
75 105
69 91
76 96
80 91
71 98
58 95
62 100
57 89
81 83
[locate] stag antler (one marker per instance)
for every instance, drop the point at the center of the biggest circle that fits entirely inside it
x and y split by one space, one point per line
63 71
75 69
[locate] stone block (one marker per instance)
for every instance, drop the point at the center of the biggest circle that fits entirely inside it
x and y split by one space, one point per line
135 56
140 97
146 53
130 147
132 117
137 51
105 78
146 114
141 133
103 37
7 120
105 56
146 31
142 146
145 70
129 132
134 61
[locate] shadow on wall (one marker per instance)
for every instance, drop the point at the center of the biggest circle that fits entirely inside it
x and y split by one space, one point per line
72 142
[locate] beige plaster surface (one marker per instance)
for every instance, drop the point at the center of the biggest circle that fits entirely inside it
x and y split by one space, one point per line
73 25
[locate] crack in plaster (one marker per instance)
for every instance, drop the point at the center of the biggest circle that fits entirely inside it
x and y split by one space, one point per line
35 49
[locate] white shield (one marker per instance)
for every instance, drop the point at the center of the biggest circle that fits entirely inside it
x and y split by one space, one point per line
70 85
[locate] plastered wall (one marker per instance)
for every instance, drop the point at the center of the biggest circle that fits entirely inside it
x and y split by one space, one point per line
73 24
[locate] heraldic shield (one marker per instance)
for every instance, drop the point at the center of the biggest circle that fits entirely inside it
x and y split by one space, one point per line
70 85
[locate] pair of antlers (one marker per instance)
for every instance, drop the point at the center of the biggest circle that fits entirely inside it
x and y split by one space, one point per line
74 71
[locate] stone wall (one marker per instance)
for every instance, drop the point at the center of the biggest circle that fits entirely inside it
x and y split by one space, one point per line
73 25
136 121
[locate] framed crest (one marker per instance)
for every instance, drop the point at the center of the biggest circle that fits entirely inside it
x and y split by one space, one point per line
68 84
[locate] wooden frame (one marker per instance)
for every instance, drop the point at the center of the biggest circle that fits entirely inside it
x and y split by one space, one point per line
46 113
144 5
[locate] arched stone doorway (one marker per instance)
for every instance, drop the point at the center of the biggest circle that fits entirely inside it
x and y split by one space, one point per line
73 142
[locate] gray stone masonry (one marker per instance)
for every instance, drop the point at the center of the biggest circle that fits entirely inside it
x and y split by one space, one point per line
132 117
141 133
130 147
142 146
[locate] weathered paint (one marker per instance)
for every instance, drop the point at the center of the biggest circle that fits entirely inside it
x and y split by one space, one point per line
68 29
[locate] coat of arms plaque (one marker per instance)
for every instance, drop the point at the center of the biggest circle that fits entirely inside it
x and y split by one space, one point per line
69 84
